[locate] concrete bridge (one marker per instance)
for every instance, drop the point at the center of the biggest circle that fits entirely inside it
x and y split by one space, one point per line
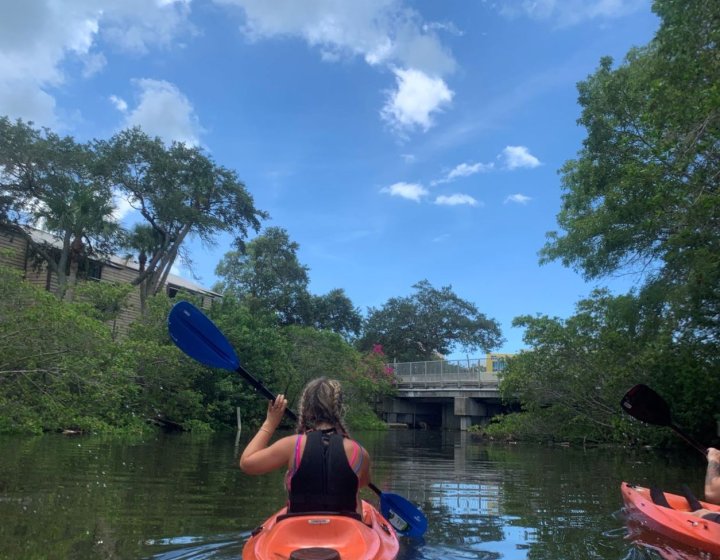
447 394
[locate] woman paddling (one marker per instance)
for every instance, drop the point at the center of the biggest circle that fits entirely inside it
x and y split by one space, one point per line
325 468
712 476
712 485
712 488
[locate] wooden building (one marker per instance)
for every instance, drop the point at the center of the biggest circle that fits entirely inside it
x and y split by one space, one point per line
15 252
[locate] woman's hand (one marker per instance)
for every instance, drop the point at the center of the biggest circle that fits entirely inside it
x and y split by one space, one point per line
275 411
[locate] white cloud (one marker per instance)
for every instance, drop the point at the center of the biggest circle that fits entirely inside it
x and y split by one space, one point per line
518 199
409 191
409 158
569 12
164 111
93 63
382 32
515 157
465 170
122 207
26 100
417 97
38 38
120 104
456 200
138 25
446 26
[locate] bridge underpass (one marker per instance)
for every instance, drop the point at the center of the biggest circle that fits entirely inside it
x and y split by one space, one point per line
451 395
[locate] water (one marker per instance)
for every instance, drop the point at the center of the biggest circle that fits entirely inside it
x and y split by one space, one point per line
182 497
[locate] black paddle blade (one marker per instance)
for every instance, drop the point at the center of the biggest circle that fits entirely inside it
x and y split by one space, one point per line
199 338
646 405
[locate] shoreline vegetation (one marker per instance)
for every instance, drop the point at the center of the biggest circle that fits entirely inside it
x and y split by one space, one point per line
62 371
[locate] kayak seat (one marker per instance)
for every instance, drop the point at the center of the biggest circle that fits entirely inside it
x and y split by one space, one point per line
692 501
351 514
658 497
315 553
695 505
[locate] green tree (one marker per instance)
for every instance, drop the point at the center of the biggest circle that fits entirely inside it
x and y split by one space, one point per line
56 184
58 366
643 193
267 275
106 300
315 353
579 367
180 192
335 311
571 382
427 325
146 242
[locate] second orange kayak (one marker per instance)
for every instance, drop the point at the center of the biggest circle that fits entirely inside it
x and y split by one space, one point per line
321 536
676 522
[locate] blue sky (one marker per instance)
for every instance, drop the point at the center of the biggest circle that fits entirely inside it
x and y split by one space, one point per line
394 140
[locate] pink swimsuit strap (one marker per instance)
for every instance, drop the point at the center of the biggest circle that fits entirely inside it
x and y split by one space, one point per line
356 452
296 461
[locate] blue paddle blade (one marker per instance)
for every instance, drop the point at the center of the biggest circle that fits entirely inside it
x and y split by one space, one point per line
404 516
199 338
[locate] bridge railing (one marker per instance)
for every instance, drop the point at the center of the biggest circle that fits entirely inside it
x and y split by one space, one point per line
447 373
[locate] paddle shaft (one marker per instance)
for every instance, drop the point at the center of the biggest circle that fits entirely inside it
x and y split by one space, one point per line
258 386
679 431
375 489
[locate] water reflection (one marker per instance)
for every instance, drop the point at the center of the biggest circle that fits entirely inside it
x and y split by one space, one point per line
182 497
195 548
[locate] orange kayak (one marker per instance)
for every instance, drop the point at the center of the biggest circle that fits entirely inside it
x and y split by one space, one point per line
676 522
323 536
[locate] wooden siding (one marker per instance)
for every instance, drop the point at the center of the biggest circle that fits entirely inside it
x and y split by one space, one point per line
14 254
12 250
111 273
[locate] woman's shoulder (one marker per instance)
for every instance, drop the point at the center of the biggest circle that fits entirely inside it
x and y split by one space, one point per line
352 445
289 441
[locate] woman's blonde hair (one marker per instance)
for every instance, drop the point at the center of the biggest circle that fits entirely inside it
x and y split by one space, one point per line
322 402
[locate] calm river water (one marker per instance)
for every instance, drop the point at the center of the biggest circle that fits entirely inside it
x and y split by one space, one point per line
182 496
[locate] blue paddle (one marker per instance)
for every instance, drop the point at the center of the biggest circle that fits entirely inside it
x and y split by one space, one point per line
404 516
197 336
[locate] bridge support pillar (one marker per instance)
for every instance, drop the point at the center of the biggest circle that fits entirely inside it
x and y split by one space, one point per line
466 408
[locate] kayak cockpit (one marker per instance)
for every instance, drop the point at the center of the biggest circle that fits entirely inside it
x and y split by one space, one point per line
324 536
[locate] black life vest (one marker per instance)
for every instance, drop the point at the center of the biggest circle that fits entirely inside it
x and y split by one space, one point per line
324 480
